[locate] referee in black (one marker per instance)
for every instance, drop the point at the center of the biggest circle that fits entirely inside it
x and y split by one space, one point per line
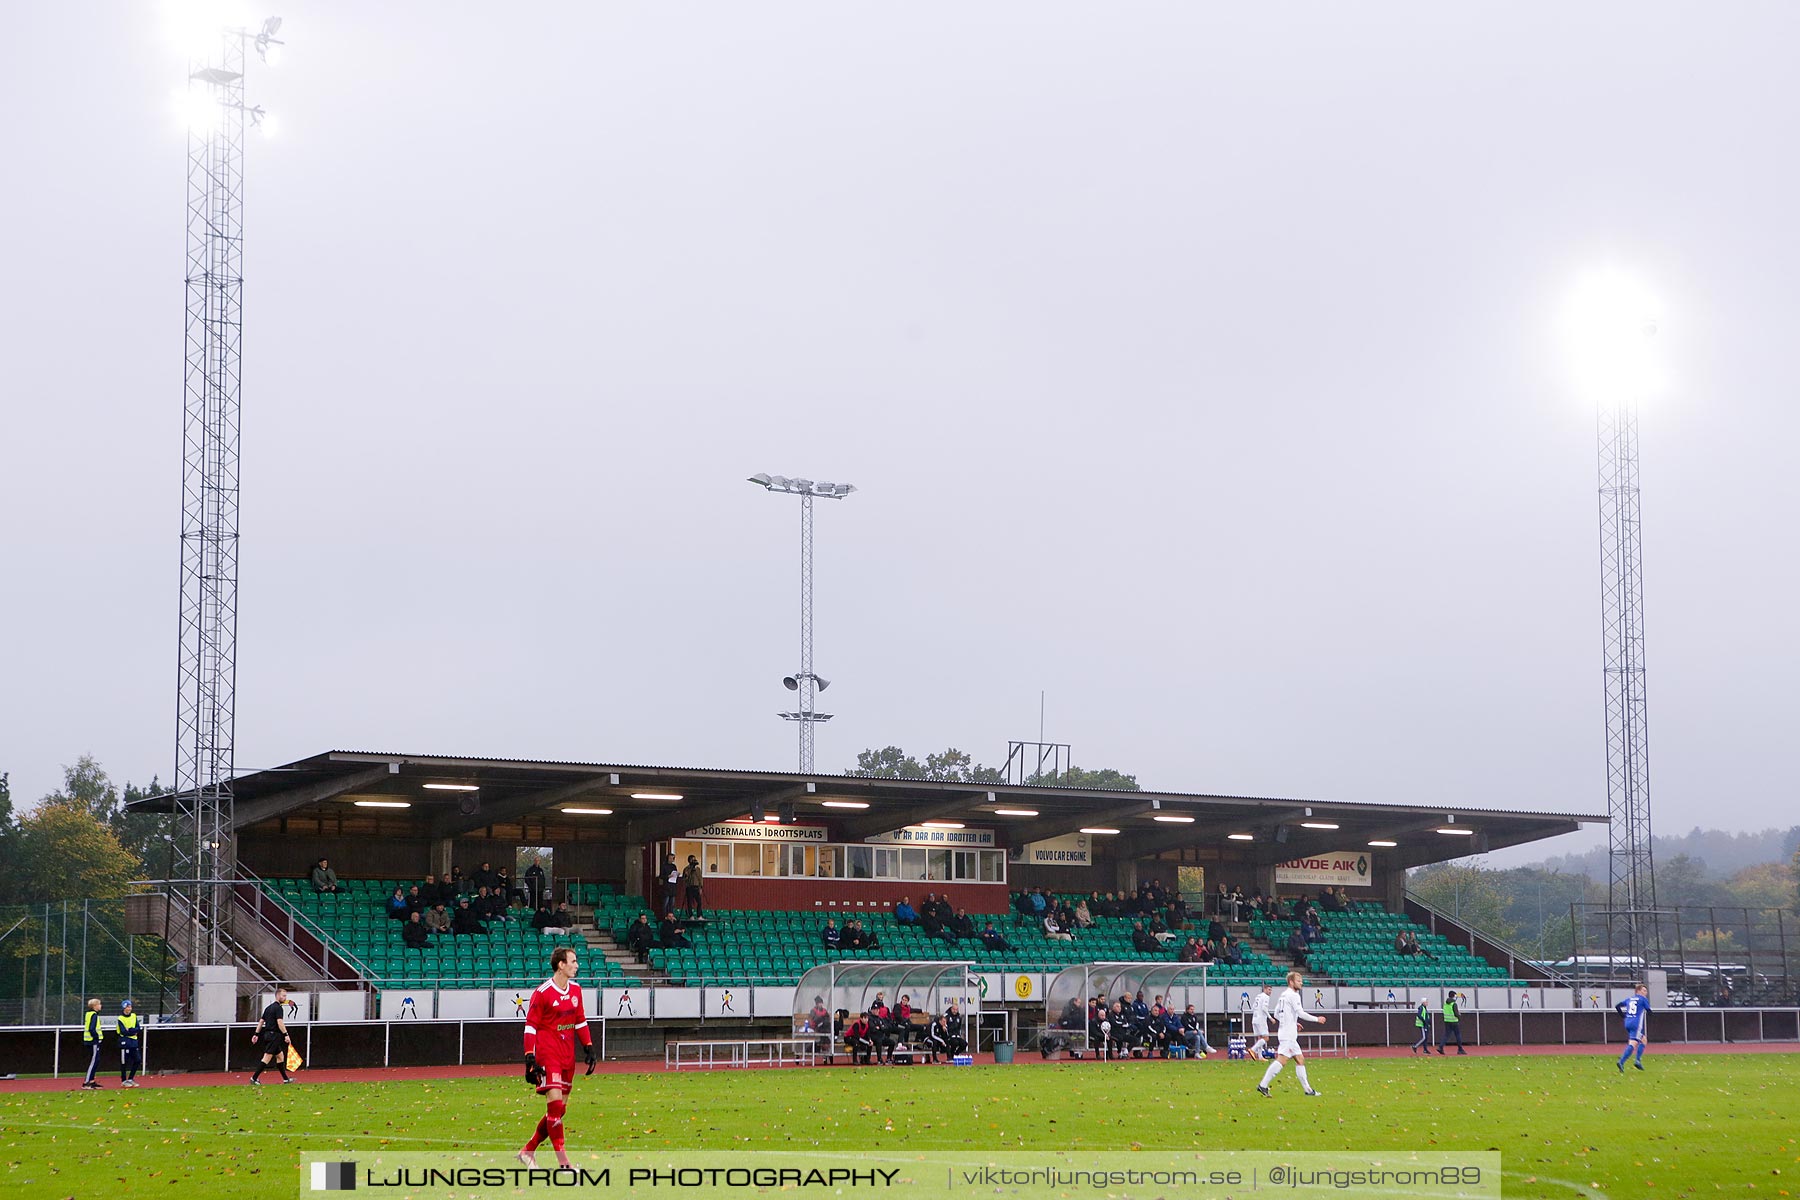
271 1037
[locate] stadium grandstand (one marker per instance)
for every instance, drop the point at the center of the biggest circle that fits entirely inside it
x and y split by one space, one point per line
780 854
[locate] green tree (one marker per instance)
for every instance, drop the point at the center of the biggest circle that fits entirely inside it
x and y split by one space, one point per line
952 765
1469 892
64 852
87 787
958 766
1767 885
1105 779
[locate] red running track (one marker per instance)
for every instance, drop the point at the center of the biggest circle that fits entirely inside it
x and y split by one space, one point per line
648 1066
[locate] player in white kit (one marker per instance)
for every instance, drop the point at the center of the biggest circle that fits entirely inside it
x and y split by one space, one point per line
1259 1023
1288 1015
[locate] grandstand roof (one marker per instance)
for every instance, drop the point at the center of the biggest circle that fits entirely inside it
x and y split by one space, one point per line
652 803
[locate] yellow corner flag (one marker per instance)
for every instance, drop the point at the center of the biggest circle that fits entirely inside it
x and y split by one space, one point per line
294 1061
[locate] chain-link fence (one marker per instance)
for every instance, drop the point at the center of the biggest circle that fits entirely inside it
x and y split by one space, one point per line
53 957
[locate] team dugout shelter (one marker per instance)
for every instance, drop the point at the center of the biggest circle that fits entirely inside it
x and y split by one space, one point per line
769 839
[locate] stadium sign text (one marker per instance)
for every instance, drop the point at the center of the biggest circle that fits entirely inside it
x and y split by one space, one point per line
1341 868
920 835
748 831
1070 850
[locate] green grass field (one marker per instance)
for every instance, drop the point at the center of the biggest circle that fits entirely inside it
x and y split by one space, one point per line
1567 1125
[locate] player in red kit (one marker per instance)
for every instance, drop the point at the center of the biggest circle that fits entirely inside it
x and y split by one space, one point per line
554 1022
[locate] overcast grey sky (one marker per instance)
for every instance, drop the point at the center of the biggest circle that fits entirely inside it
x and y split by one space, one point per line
1196 363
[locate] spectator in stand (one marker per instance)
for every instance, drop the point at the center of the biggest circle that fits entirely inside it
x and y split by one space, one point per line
1215 931
1296 946
1179 914
1327 901
851 938
485 877
564 920
671 883
437 920
693 883
1190 951
465 923
1221 901
1055 932
640 937
1084 916
1142 939
429 894
865 938
930 923
455 882
324 879
1401 945
1206 953
1311 928
1234 952
1159 931
1040 904
990 938
516 911
905 913
543 919
415 900
1258 902
1343 898
509 891
534 884
671 936
413 933
831 936
397 909
496 906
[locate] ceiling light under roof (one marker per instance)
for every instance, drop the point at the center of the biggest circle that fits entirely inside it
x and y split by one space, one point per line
1098 829
942 824
452 787
1241 837
1317 825
1173 820
383 803
656 795
845 803
1015 812
1384 843
588 812
1457 830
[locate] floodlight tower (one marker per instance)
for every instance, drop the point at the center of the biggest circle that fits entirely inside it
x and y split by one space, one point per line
804 682
206 692
1615 331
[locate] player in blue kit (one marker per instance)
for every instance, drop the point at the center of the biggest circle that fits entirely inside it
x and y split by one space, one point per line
1636 1012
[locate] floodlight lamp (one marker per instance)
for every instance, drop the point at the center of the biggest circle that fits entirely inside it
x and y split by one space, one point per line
822 682
790 683
271 26
778 483
825 489
802 485
268 51
761 479
1610 322
199 108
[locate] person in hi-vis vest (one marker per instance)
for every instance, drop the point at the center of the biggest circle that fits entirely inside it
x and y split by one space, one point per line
131 1045
92 1036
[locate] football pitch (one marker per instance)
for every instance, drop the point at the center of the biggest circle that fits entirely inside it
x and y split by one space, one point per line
1566 1125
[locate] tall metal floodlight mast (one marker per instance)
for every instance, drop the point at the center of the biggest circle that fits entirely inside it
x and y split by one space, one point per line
206 694
1616 334
804 682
